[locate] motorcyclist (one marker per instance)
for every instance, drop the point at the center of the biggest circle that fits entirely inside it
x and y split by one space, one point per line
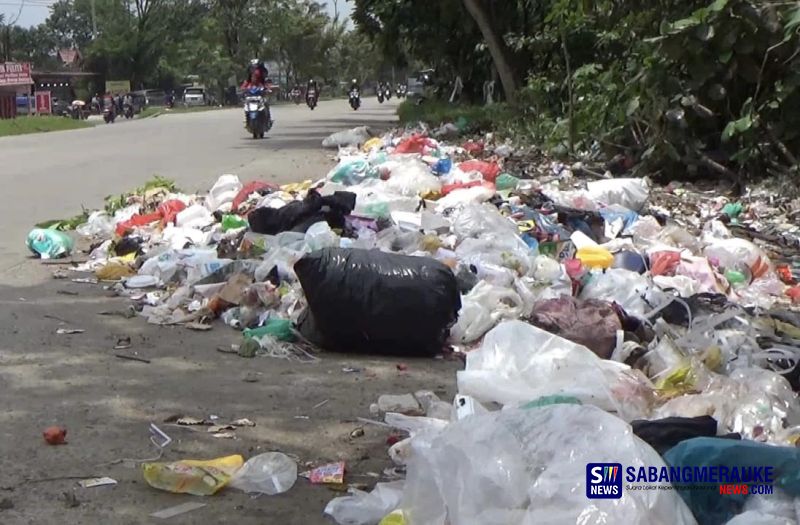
312 86
257 78
355 86
256 75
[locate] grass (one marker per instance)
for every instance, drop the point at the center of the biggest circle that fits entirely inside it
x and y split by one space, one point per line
473 118
23 125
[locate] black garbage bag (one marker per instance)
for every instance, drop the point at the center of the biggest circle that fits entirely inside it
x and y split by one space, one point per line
368 301
298 216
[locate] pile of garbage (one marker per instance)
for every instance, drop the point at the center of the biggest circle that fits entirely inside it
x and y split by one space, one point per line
602 321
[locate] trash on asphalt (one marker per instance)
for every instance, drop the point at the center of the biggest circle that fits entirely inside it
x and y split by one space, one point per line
651 316
55 435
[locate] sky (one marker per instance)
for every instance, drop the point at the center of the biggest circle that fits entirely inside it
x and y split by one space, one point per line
34 12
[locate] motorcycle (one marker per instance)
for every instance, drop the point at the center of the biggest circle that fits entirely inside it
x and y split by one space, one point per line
109 115
128 111
311 99
387 93
355 99
256 112
380 94
296 96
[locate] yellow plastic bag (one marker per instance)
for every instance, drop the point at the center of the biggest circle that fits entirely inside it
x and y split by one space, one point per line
189 476
595 257
373 143
395 518
296 187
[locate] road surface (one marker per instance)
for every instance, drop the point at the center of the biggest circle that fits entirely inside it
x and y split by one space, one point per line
50 176
307 410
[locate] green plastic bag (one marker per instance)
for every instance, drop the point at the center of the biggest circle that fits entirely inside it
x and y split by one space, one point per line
506 181
49 244
232 222
280 329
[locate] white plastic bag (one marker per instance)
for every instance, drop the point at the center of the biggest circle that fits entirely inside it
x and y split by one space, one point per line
518 362
621 286
528 467
630 193
195 216
222 193
349 137
482 308
362 508
269 473
99 224
410 177
460 197
474 220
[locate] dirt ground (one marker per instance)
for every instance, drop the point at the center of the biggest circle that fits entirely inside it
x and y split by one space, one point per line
107 404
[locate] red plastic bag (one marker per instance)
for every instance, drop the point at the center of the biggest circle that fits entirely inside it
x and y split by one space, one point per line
489 170
413 144
473 148
447 188
664 263
169 210
794 294
137 220
249 189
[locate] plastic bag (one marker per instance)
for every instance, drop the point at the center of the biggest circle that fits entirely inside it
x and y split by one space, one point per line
188 476
371 301
350 171
472 195
411 177
482 308
349 137
99 224
528 467
591 323
630 193
713 507
221 195
320 236
195 216
620 286
518 362
268 473
49 244
489 170
413 144
362 508
474 220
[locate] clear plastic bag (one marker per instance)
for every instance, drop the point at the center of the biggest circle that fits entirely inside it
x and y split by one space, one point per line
410 177
99 224
363 508
518 362
320 235
630 193
624 287
527 467
482 308
269 473
222 193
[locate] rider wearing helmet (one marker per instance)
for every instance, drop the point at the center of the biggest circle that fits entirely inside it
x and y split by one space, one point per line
312 86
256 74
355 86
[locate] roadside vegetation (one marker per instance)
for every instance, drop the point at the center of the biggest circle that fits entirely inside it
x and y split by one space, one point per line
681 88
24 125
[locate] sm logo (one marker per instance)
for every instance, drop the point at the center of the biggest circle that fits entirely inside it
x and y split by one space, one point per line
603 480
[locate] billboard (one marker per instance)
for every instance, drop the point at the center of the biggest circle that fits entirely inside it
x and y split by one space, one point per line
15 74
44 102
118 86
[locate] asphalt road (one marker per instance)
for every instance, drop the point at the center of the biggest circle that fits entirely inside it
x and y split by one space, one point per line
50 176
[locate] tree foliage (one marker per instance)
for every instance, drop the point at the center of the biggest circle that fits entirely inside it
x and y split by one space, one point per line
681 86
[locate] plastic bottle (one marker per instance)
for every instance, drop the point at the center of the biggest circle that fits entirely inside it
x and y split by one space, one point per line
269 473
232 222
200 478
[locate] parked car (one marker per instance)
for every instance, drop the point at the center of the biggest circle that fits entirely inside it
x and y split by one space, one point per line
194 96
152 97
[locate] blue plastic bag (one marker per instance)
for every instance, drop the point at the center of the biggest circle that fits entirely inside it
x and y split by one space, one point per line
49 244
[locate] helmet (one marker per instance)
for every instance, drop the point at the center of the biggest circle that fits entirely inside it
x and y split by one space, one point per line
254 62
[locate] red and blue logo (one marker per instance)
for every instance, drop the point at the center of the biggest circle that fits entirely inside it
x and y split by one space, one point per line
603 480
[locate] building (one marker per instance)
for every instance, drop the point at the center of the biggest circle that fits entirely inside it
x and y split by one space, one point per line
15 79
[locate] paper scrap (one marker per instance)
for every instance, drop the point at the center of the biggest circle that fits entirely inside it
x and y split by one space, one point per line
97 482
178 510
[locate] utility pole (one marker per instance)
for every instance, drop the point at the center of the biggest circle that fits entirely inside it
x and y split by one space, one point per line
94 22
